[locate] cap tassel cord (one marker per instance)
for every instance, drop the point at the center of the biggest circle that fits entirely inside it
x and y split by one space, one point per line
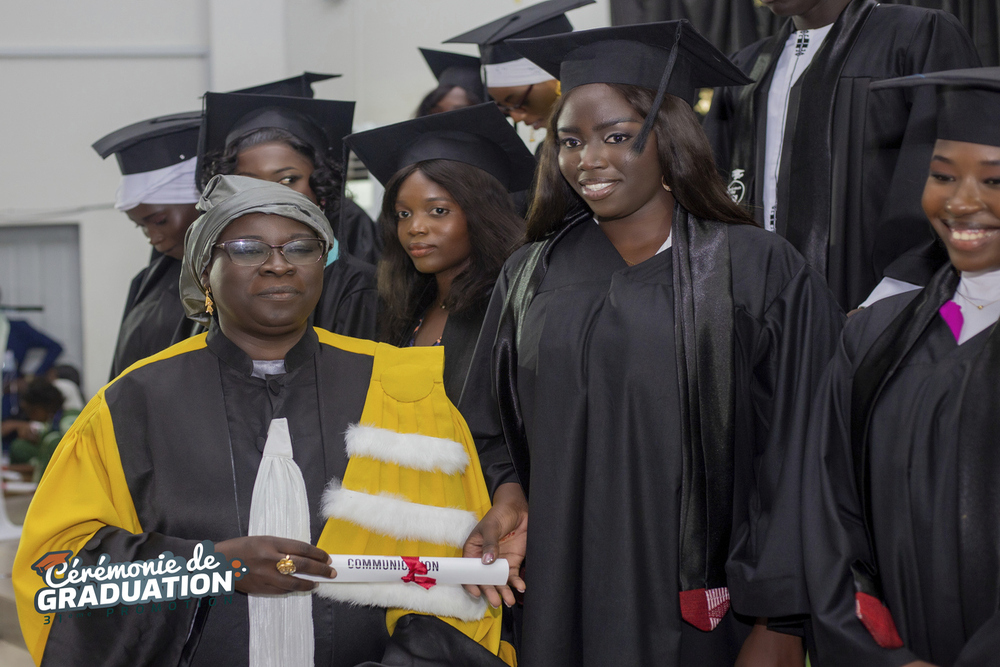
639 145
281 626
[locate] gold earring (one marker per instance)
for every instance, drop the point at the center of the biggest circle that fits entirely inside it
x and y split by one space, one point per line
208 303
663 182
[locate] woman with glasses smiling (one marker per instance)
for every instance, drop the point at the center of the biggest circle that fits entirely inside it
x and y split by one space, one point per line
233 437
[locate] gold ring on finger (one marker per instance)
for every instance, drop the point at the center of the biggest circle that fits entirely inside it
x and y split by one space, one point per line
286 565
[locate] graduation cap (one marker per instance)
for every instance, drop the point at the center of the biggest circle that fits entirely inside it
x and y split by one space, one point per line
153 144
229 116
968 102
543 18
668 57
455 69
297 86
479 135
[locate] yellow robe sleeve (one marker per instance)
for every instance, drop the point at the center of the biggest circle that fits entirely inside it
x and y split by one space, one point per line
83 490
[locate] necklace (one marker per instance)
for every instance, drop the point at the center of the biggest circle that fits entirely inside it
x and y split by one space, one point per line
972 302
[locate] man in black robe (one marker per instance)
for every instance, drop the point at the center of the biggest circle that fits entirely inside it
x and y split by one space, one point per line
848 168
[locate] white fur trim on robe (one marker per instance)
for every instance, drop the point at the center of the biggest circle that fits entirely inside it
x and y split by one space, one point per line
407 450
441 600
390 515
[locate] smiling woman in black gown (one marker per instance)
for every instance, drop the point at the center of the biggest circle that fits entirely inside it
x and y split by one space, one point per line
902 522
650 349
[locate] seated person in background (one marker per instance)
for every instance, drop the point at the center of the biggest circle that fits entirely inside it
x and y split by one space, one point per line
459 83
448 223
298 143
66 378
233 436
45 421
17 338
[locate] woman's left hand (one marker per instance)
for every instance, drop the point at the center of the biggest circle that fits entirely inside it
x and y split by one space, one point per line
767 648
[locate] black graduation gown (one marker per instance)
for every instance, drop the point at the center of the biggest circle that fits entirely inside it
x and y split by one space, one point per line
349 300
597 384
190 459
357 234
855 162
153 314
915 491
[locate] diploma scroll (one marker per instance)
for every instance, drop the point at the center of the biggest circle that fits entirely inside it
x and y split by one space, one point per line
425 572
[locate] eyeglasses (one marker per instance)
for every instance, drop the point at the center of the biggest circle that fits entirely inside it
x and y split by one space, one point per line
249 252
506 108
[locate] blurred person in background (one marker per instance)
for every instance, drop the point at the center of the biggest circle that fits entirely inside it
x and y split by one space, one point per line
459 82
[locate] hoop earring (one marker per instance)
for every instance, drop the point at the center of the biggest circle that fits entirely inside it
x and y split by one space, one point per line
209 306
663 182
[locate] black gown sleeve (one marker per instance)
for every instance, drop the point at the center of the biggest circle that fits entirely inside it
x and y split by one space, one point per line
796 338
938 43
478 403
833 529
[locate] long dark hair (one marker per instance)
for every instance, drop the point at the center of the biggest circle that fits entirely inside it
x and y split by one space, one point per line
495 231
436 95
326 180
685 159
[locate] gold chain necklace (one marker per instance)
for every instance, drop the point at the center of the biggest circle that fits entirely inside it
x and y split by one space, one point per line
972 302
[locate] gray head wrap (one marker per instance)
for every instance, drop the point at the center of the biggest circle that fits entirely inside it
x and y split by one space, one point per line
225 199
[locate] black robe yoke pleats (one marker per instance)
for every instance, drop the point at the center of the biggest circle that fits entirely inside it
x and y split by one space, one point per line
190 430
854 162
599 397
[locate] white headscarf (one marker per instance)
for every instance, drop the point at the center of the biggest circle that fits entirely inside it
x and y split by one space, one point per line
170 185
520 72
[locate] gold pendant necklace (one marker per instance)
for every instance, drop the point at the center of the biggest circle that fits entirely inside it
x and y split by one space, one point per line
972 302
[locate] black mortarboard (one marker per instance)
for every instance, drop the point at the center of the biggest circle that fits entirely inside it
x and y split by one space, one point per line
455 69
543 18
320 123
297 86
968 102
153 144
478 135
668 57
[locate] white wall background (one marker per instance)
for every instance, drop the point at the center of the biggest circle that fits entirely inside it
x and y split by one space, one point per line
74 70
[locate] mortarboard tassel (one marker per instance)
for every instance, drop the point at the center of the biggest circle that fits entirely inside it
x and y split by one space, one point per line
281 626
639 145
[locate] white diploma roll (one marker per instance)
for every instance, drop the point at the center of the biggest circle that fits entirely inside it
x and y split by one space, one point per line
425 572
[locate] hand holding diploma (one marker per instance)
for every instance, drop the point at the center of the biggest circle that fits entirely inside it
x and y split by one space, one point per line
260 553
425 572
502 533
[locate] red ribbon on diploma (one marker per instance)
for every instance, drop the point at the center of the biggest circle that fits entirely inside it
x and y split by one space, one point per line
416 570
